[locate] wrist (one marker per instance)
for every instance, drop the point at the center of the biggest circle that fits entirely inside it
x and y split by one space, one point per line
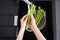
33 27
22 28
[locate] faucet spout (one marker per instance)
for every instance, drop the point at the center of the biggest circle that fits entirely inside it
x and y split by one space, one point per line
27 2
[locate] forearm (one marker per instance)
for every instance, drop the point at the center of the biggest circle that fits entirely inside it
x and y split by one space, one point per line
38 34
21 33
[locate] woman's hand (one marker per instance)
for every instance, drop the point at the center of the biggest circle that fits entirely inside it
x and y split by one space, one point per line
32 23
23 21
35 29
22 29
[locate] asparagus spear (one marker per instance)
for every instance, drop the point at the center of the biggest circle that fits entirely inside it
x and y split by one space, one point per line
40 16
32 9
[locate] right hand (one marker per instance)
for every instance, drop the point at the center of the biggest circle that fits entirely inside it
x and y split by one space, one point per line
32 23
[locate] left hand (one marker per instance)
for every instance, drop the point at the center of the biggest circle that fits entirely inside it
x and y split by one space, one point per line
23 21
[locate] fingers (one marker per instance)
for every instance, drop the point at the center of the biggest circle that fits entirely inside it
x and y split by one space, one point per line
24 18
32 17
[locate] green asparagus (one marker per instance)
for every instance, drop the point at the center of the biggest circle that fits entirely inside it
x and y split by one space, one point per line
38 14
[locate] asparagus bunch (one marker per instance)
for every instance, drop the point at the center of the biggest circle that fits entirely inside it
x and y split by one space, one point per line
38 14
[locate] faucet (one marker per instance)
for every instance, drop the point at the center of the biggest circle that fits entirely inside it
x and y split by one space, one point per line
27 2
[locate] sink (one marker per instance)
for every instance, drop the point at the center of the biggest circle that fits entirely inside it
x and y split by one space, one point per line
47 31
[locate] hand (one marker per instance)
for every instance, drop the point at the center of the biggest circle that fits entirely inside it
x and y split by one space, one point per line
35 29
32 23
23 24
23 21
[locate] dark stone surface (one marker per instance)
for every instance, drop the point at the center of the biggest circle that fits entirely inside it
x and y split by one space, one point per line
7 20
8 7
7 31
